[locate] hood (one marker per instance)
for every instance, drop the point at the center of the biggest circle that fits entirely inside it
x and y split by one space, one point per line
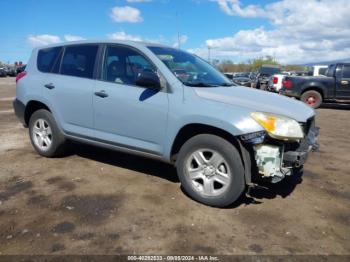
258 101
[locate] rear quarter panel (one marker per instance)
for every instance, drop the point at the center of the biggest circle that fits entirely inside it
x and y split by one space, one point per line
30 87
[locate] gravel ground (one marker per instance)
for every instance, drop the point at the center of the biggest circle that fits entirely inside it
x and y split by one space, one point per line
96 201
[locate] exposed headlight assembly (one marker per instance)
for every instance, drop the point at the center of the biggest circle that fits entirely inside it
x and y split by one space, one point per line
279 127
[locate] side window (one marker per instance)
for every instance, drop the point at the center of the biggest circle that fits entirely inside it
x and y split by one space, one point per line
79 60
123 65
346 71
47 58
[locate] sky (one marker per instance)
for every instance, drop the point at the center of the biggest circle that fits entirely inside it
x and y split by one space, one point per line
291 31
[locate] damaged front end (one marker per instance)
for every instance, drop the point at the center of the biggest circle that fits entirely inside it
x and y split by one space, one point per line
274 158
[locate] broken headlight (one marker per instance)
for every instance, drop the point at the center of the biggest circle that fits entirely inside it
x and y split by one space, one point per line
279 127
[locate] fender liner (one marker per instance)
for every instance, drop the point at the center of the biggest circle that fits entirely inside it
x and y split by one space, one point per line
247 162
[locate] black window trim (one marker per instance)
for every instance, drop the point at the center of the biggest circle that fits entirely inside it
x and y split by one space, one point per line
166 89
58 59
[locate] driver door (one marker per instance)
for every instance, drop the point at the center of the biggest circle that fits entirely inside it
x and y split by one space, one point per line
125 114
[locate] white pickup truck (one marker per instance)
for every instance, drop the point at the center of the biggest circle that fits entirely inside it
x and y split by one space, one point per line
275 83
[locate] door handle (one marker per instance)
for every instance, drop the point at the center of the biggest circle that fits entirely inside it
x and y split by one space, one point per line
49 86
102 94
344 82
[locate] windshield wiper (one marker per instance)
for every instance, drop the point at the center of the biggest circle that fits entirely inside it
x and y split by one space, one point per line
226 84
200 84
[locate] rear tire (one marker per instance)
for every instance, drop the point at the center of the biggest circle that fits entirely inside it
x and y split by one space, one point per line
210 170
45 135
312 98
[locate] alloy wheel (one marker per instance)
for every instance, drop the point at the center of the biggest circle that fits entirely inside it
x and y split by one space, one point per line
42 134
208 172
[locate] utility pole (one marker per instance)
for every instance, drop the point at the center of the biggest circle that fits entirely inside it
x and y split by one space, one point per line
209 58
178 30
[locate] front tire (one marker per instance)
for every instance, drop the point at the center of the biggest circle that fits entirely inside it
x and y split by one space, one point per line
45 135
210 170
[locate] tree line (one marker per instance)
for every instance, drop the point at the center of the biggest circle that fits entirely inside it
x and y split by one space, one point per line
227 65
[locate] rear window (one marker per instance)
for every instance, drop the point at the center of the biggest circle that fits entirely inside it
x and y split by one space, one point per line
47 58
330 71
322 71
79 60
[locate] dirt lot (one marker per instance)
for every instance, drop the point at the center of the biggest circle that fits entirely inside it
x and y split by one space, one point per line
101 202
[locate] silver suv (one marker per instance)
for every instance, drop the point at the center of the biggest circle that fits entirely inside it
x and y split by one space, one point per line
167 104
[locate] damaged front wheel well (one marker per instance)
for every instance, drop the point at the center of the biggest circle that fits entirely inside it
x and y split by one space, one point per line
192 130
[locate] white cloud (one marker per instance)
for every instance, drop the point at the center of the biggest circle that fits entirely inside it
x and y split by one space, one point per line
73 38
40 40
123 36
181 40
126 14
233 7
46 39
302 31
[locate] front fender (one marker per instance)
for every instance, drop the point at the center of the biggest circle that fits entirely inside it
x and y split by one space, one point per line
219 116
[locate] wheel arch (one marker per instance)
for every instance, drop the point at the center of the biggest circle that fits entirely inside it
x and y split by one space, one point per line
314 88
190 130
31 107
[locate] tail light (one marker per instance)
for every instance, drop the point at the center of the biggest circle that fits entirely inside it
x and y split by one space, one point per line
21 75
275 80
287 84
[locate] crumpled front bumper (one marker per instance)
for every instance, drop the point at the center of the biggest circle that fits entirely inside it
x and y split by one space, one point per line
275 159
298 157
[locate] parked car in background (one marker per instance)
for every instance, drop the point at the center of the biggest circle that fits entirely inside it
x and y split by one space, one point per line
275 83
175 107
253 75
11 71
3 71
241 74
242 81
264 75
334 87
21 69
229 75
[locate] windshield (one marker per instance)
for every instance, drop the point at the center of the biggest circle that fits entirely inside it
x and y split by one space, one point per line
190 69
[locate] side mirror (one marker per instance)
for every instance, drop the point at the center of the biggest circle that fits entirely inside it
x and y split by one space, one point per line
148 79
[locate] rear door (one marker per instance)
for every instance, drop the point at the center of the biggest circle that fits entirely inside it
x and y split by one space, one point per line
343 82
125 114
70 86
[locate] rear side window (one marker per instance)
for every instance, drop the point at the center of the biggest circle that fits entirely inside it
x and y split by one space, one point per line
79 60
47 58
